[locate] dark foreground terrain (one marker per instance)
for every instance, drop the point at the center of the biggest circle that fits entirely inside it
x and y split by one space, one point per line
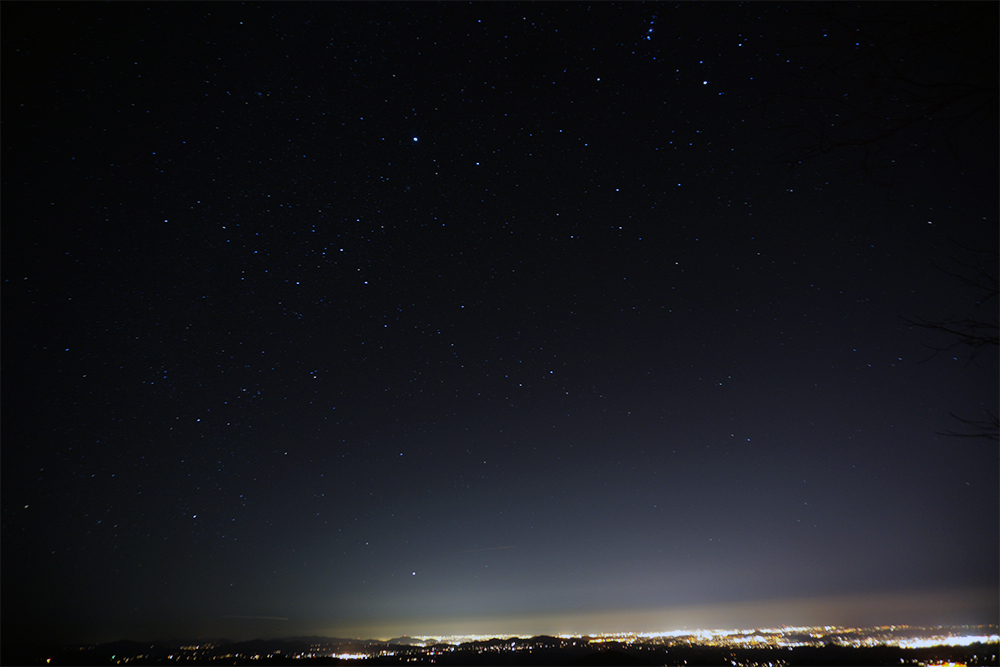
534 651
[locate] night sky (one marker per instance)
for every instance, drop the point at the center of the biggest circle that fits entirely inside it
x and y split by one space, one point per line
372 319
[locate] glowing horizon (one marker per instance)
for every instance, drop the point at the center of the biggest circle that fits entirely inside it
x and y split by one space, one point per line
917 609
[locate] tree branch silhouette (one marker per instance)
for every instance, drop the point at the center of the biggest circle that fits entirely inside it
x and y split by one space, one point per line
889 82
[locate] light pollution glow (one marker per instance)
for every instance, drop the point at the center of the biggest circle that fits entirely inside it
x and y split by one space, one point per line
929 608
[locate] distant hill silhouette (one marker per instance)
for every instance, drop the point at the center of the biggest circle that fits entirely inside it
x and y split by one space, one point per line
405 641
539 650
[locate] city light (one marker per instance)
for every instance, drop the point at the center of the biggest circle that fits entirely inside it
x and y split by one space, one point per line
939 645
950 641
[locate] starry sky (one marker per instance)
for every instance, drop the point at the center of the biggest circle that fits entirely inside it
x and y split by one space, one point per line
371 319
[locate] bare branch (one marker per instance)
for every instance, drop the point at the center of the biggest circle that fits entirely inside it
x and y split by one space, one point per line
988 428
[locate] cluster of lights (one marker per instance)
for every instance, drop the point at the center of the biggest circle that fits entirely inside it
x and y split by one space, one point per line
757 637
949 641
786 637
902 636
463 639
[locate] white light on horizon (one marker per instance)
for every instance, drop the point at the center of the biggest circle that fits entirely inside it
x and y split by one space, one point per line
949 641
